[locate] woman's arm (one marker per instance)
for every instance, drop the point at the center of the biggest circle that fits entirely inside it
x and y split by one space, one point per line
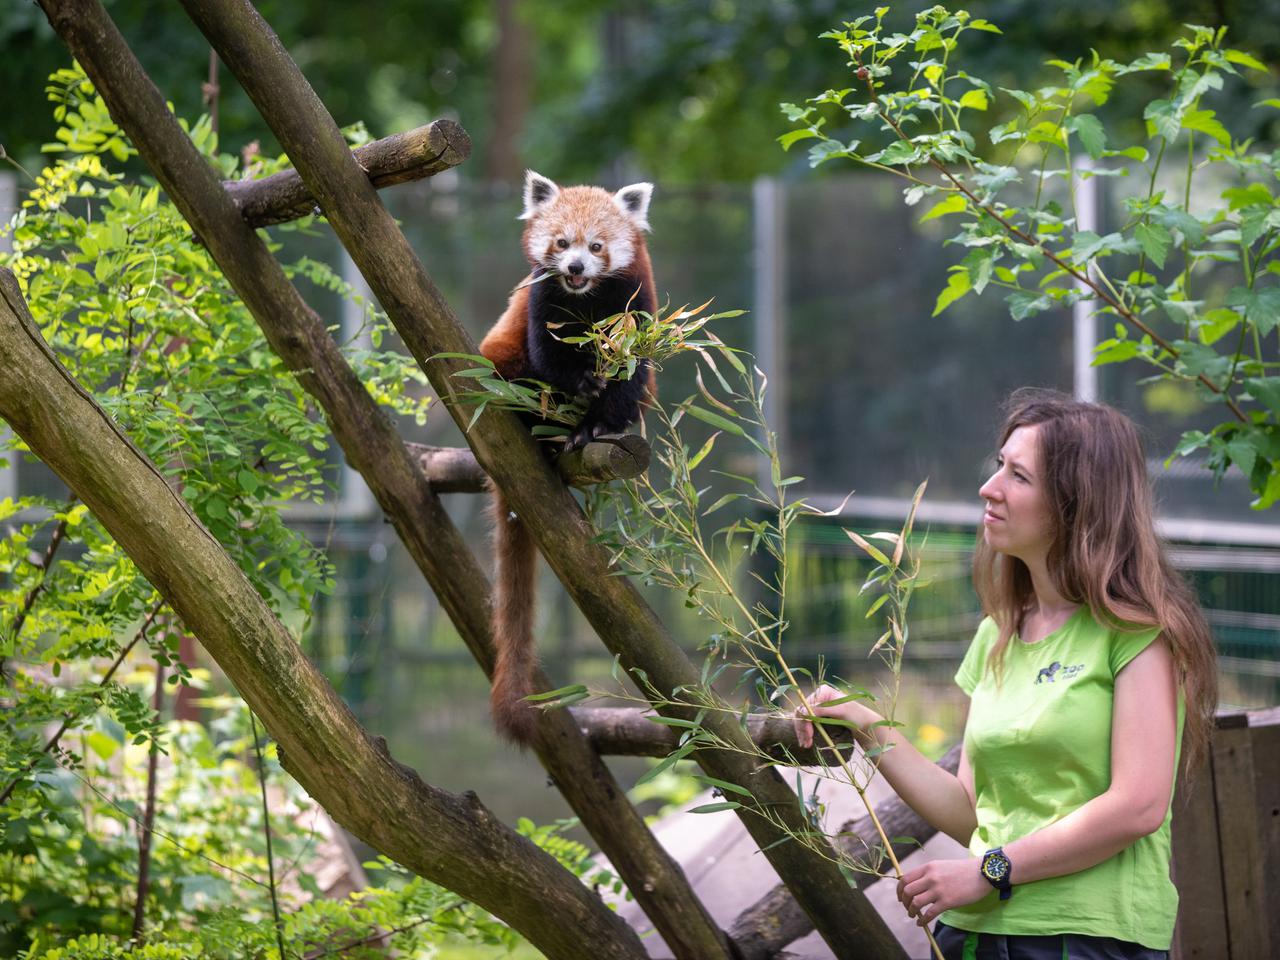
939 797
1143 743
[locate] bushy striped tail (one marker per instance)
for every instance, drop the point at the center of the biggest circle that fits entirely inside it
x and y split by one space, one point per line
514 590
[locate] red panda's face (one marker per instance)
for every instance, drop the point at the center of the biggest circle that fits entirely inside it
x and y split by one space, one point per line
583 234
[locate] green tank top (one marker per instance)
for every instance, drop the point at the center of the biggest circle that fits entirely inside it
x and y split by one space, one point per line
1040 747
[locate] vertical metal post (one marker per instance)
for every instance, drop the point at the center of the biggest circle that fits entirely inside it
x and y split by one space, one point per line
770 269
8 207
1085 326
354 497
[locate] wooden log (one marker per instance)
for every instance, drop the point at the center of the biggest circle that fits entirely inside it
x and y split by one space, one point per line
775 920
613 606
455 470
631 732
451 838
420 153
371 445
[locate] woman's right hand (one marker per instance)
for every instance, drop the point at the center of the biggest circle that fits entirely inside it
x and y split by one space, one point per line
850 710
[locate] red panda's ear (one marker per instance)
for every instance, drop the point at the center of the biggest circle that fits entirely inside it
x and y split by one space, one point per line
633 201
538 192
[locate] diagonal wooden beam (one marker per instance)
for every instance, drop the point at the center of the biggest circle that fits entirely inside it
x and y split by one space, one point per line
775 920
447 838
626 624
372 447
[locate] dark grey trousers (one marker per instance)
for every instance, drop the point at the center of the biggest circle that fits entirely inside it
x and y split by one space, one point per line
957 944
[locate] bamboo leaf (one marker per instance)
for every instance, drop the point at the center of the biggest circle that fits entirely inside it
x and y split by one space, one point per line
868 548
706 416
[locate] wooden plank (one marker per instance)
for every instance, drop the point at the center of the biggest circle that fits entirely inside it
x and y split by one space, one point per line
1266 772
1248 927
1201 929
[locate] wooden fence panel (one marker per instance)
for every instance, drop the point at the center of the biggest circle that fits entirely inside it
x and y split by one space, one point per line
1201 930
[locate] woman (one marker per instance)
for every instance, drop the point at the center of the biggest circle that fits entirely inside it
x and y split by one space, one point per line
1092 656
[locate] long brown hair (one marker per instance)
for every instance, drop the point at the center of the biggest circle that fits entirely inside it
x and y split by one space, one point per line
1104 551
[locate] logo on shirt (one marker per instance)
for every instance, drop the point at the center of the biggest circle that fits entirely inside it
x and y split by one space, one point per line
1056 671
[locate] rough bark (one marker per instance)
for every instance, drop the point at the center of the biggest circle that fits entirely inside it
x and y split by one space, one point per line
455 470
628 627
373 448
420 153
775 920
447 838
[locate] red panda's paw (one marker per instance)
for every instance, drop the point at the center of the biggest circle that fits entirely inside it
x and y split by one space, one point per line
585 433
589 385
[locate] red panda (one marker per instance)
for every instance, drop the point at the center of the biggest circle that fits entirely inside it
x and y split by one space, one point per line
589 261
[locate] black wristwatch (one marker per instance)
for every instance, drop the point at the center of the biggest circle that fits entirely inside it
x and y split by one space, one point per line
996 868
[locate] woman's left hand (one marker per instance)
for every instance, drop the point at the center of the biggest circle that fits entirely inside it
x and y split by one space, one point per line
940 885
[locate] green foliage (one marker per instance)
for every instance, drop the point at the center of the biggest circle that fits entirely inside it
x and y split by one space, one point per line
69 866
1191 288
136 309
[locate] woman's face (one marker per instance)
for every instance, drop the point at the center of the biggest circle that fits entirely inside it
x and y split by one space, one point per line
1017 519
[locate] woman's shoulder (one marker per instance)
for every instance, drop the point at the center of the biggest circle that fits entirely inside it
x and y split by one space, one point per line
1122 640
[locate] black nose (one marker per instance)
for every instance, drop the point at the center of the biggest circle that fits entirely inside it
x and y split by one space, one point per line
576 267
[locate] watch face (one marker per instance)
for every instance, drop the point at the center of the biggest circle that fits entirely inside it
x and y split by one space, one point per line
996 866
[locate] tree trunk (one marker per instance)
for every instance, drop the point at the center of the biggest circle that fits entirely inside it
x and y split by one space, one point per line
512 87
372 447
626 624
449 839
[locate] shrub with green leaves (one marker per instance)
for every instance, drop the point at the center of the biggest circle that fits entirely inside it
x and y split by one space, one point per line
1189 279
135 308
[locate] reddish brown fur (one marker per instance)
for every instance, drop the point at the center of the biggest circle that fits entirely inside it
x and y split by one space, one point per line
514 591
515 553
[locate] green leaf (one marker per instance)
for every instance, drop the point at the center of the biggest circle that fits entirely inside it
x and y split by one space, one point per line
1150 61
956 203
723 785
1114 351
717 807
563 693
1155 241
1242 58
900 151
957 286
820 153
1203 121
1162 118
1216 324
666 762
1023 305
795 136
979 264
974 100
706 416
1261 306
1265 391
1091 133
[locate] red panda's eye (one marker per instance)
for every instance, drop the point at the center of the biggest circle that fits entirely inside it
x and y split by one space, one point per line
597 247
562 243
